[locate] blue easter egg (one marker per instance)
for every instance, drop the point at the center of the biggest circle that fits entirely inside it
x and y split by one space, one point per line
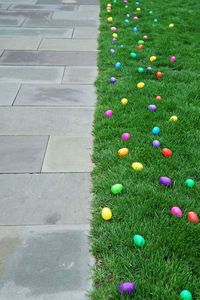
126 21
137 3
135 29
118 65
121 46
156 130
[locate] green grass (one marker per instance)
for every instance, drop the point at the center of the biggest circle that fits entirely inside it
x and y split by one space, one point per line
170 260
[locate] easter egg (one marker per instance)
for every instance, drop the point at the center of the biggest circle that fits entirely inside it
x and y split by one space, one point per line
113 79
118 65
173 58
123 151
150 12
173 118
152 107
159 74
158 98
156 130
109 5
137 166
140 70
192 216
128 16
189 182
112 51
165 180
135 29
155 21
135 18
166 152
140 47
126 136
140 85
149 69
110 19
108 113
114 1
115 35
113 28
133 54
126 6
176 211
114 40
153 58
124 101
116 188
108 9
121 46
156 143
138 240
140 42
171 25
126 287
137 3
126 21
138 9
145 37
125 1
185 295
106 213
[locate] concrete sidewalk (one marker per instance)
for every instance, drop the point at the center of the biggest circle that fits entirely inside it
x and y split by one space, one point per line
48 51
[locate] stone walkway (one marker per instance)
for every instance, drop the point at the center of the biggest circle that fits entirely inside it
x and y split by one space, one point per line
47 69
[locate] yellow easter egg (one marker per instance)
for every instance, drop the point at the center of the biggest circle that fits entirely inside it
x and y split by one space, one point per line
106 213
138 9
173 118
110 19
153 58
137 166
140 85
109 5
171 25
124 101
115 35
123 151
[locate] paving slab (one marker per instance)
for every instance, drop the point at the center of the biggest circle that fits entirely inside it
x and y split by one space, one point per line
89 8
26 14
60 23
37 32
20 43
4 6
44 199
31 74
88 2
18 1
85 33
56 95
80 75
11 21
8 93
22 154
75 15
30 7
68 45
46 121
45 263
53 2
68 154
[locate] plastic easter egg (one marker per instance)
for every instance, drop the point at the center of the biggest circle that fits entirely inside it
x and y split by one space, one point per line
135 29
159 74
140 85
140 47
126 21
158 98
189 182
137 3
113 28
156 143
126 287
155 21
135 18
112 51
114 1
118 65
185 295
173 118
126 136
140 70
165 180
192 216
173 59
150 12
110 19
176 211
138 240
108 9
126 6
115 35
128 16
116 188
138 9
113 79
140 42
123 152
166 152
145 37
124 101
133 54
109 5
121 46
156 130
149 69
152 107
137 166
114 40
171 25
108 113
153 58
125 1
106 213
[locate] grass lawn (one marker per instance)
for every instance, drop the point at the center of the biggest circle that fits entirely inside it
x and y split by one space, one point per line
169 262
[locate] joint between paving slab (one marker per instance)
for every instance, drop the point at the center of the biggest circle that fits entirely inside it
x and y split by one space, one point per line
16 95
44 154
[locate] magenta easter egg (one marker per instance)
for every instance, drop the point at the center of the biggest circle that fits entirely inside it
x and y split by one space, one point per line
176 211
145 37
135 18
126 287
165 180
126 136
108 113
173 58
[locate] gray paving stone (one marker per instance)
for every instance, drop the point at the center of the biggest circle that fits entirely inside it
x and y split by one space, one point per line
8 93
53 2
85 33
26 14
75 15
80 75
89 8
11 21
68 154
60 23
44 199
46 121
56 95
46 263
37 32
88 2
31 74
30 7
67 58
1 52
18 1
22 154
4 6
69 45
20 43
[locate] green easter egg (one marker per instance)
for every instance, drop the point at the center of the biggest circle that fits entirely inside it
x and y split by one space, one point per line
117 188
140 70
140 42
186 295
151 12
189 182
114 1
138 240
126 6
133 54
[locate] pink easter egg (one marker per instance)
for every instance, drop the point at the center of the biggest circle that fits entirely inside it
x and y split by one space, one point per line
126 136
176 211
135 18
145 37
113 28
173 58
108 8
108 113
125 1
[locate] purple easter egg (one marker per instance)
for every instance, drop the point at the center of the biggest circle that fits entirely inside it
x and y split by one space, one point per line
108 113
152 107
126 136
149 68
128 16
126 287
165 180
173 58
176 211
114 40
113 79
112 51
156 143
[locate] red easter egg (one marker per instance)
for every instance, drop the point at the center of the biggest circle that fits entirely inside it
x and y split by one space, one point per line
159 74
166 152
192 216
140 47
158 98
